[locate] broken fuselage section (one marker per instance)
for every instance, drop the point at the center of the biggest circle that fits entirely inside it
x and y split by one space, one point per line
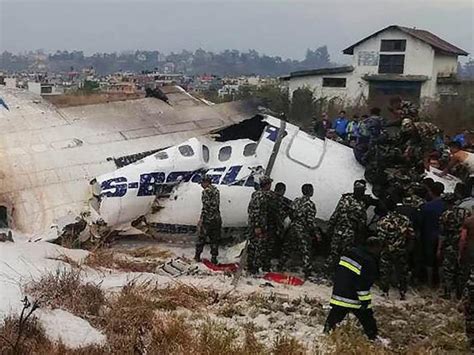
163 188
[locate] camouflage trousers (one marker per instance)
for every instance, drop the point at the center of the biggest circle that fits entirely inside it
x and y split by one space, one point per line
343 239
451 270
394 260
209 233
299 240
275 241
258 253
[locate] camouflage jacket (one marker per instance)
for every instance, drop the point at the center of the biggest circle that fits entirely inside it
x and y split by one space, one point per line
349 213
414 201
451 222
409 110
258 209
427 132
210 211
279 209
394 230
303 214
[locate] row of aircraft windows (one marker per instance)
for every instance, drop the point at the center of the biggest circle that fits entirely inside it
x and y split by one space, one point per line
224 153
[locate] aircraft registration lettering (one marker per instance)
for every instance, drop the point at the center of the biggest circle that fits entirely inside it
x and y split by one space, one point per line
148 183
119 186
116 187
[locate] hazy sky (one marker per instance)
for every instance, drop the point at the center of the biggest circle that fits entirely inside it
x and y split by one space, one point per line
276 27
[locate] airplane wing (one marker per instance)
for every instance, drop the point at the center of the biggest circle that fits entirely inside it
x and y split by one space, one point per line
48 154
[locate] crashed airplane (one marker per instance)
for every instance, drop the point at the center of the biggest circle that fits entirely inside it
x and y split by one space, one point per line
162 190
141 161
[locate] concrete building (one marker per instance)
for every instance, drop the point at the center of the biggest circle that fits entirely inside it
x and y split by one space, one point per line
412 63
44 88
121 88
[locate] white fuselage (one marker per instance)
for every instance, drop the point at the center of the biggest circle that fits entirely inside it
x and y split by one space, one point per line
130 192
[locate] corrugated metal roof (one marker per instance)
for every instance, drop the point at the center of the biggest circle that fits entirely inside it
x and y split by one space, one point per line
434 41
322 71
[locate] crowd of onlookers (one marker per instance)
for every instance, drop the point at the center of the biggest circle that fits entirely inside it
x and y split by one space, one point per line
346 130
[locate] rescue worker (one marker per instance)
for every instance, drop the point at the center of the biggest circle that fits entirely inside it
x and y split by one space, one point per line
258 250
369 130
419 139
210 222
403 109
355 275
429 235
303 227
348 223
395 231
279 211
451 222
411 208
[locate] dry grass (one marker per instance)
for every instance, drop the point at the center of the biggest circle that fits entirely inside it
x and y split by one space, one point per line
350 339
36 341
110 259
286 345
149 252
134 321
186 296
66 259
431 327
434 325
171 334
64 289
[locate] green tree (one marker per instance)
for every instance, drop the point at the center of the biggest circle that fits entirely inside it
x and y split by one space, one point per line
90 87
302 107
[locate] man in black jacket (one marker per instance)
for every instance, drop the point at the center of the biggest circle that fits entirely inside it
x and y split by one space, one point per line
355 275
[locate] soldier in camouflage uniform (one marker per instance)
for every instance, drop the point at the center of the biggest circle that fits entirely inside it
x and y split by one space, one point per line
419 139
303 227
210 223
258 250
451 222
279 210
394 230
403 109
348 223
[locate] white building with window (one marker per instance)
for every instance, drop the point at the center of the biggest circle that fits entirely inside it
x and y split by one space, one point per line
414 64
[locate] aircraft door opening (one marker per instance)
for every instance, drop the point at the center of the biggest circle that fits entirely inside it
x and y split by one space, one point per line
306 150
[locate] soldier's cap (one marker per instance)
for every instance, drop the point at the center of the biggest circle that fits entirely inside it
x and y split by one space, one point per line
360 184
265 180
449 197
206 178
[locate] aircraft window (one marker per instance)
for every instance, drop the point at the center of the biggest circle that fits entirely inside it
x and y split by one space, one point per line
161 155
205 153
250 149
186 150
225 153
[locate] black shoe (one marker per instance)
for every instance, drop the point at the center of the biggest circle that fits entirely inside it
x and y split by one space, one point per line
402 296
